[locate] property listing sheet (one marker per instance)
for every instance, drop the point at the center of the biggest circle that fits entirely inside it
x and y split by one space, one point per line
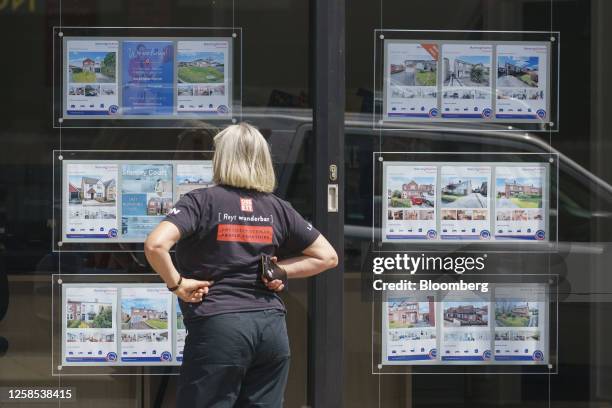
91 77
146 197
147 77
410 205
412 80
521 323
146 322
466 330
465 202
467 86
522 82
181 332
520 202
90 201
203 77
410 327
90 326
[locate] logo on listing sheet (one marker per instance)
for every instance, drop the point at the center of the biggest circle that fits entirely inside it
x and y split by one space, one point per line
541 113
111 356
113 109
222 109
538 355
540 235
485 234
112 233
487 113
432 234
246 204
433 113
166 356
433 353
486 355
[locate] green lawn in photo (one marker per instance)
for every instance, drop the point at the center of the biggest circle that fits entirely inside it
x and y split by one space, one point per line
527 201
447 198
198 75
77 324
426 78
527 79
157 324
513 321
400 202
398 325
83 76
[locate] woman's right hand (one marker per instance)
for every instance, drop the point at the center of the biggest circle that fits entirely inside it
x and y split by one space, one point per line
193 290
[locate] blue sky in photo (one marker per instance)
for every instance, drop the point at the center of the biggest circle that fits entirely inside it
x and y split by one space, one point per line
144 303
396 182
524 181
475 59
205 55
77 57
524 62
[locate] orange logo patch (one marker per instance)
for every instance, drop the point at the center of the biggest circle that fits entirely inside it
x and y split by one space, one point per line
244 233
246 204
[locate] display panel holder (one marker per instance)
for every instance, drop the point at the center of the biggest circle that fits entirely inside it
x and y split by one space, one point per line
233 35
548 124
60 200
549 161
59 368
487 367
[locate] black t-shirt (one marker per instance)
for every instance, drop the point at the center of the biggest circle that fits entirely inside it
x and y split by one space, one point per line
224 231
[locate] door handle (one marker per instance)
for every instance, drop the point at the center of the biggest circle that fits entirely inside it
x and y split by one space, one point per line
332 198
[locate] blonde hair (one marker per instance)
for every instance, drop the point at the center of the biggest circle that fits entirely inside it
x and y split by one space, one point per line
242 159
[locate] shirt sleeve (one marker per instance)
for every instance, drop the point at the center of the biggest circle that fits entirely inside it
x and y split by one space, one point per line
300 233
186 215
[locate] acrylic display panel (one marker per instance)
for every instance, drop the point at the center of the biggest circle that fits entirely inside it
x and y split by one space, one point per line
472 80
509 329
115 324
145 77
479 200
112 202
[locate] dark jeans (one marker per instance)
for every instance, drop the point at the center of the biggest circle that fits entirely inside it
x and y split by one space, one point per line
235 360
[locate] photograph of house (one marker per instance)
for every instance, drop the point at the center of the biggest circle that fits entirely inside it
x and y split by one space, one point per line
92 66
414 72
405 313
472 71
159 206
464 192
91 190
144 337
517 72
466 314
144 313
414 192
519 192
516 314
84 314
201 67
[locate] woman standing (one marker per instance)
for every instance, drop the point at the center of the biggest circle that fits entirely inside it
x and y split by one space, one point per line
237 349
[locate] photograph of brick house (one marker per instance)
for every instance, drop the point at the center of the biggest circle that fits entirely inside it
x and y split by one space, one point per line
405 313
93 313
516 314
519 193
416 192
144 314
91 190
466 314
